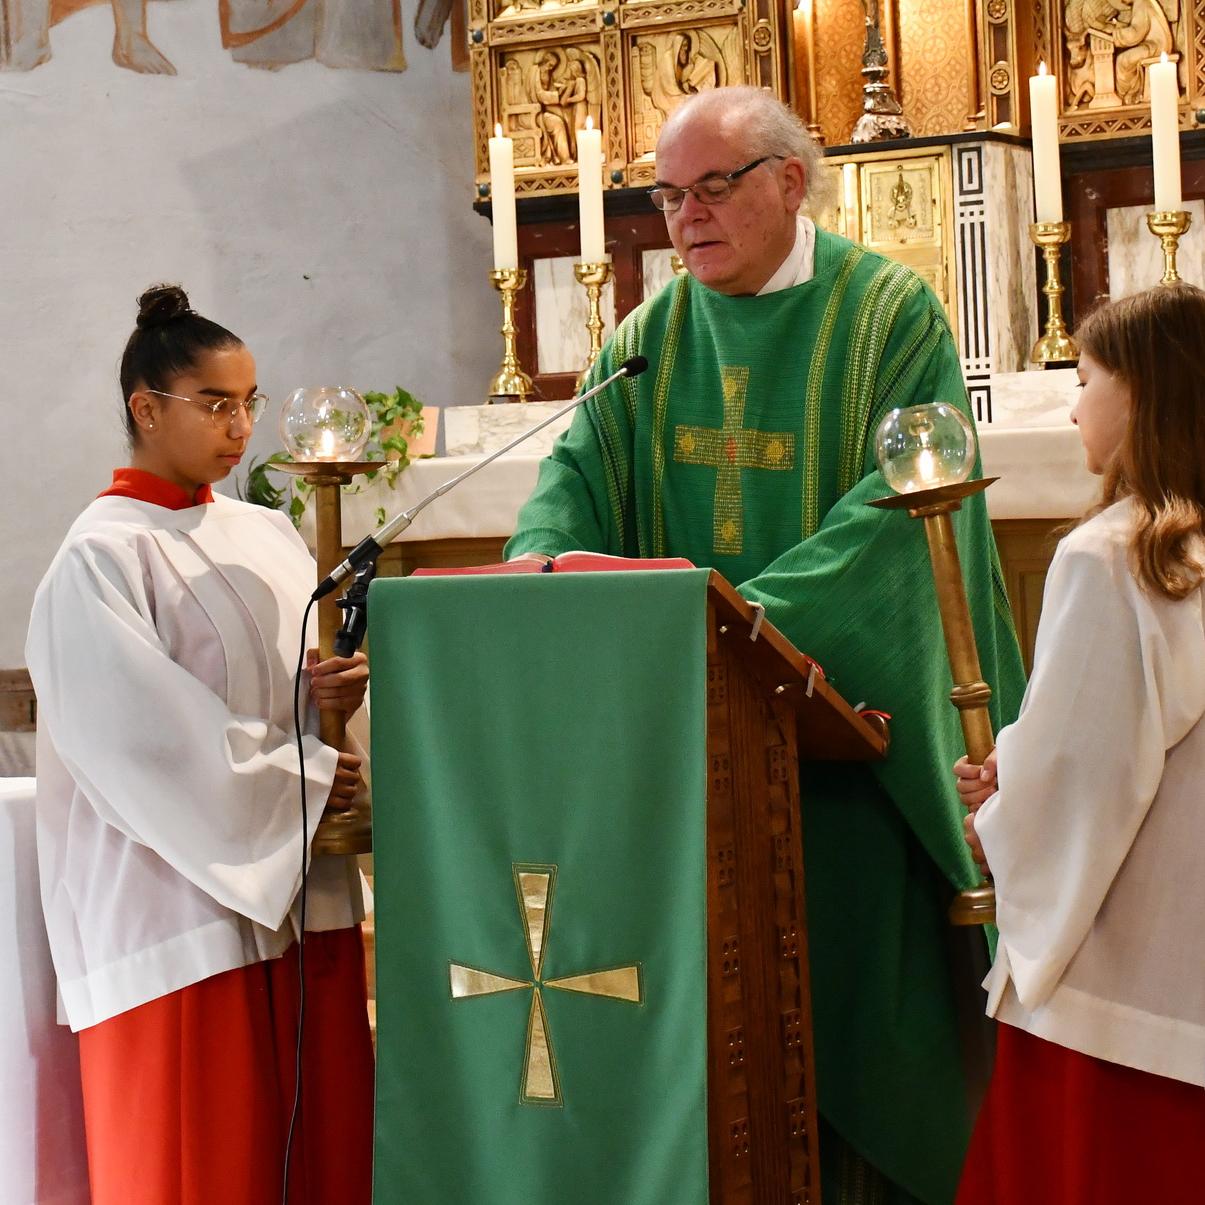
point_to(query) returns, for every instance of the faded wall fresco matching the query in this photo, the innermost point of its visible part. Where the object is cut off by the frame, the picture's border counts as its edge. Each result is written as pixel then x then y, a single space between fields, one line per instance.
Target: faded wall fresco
pixel 365 34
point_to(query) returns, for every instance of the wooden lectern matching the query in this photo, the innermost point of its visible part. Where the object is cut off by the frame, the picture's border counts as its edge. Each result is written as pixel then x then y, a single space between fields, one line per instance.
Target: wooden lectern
pixel 767 708
pixel 449 1055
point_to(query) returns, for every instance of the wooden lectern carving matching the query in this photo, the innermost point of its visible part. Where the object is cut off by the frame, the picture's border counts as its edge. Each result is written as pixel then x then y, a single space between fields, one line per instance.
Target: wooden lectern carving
pixel 767 707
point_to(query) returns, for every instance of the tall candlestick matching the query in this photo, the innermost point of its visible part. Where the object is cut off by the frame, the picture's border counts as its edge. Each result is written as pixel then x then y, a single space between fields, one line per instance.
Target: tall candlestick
pixel 590 193
pixel 502 201
pixel 1165 134
pixel 1044 125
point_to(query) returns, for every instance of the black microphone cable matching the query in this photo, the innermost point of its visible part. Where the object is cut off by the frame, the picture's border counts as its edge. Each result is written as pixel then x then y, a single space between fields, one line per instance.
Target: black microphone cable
pixel 305 852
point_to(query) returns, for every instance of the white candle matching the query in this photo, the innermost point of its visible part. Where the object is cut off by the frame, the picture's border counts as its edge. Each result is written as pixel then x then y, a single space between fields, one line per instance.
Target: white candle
pixel 590 193
pixel 502 200
pixel 1044 124
pixel 1165 134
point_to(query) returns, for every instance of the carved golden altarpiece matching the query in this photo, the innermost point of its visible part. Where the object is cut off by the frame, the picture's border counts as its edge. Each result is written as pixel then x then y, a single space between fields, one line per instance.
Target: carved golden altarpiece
pixel 1100 51
pixel 960 68
pixel 540 70
pixel 965 64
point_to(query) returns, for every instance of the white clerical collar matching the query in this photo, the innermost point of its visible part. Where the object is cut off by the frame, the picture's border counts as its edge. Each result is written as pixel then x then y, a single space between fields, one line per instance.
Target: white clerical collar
pixel 800 264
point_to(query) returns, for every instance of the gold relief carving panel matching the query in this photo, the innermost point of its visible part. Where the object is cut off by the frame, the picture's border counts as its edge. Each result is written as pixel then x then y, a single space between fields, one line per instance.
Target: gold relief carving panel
pixel 540 71
pixel 526 186
pixel 503 9
pixel 665 68
pixel 1102 51
pixel 545 95
pixel 901 204
pixel 614 127
pixel 1041 33
pixel 1108 45
pixel 479 67
pixel 634 15
pixel 567 25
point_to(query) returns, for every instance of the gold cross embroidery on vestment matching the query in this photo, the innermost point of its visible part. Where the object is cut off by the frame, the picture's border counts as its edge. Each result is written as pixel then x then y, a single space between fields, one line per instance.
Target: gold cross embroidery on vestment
pixel 534 887
pixel 728 450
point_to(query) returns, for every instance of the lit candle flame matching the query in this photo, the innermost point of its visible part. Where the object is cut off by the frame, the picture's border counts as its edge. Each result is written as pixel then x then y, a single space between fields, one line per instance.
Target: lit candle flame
pixel 326 445
pixel 590 120
pixel 1042 68
pixel 1163 56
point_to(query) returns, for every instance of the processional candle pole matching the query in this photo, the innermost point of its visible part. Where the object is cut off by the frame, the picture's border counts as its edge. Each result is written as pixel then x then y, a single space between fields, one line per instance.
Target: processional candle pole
pixel 926 454
pixel 325 430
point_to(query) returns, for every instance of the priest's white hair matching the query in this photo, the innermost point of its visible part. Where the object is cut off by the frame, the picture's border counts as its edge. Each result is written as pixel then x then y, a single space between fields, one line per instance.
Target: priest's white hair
pixel 771 128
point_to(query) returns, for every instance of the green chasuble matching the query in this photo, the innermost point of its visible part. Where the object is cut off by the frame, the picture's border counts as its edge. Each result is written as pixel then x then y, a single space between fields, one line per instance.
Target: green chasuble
pixel 748 446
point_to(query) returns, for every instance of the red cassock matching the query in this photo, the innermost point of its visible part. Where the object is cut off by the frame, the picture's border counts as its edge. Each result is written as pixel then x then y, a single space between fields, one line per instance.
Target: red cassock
pixel 1063 1128
pixel 187 1098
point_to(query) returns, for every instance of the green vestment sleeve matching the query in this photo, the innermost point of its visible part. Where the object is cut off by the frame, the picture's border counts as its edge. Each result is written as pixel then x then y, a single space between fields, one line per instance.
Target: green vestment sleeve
pixel 859 597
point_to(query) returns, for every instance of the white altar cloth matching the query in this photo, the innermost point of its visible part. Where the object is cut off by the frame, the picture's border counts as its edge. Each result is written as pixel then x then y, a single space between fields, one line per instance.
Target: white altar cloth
pixel 1041 471
pixel 42 1155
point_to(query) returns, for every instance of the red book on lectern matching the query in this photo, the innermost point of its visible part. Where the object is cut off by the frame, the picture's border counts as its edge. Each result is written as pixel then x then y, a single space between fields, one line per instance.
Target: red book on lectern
pixel 568 562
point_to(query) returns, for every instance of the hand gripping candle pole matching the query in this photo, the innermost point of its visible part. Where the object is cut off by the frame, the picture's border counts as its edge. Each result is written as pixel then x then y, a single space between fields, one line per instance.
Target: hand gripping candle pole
pixel 369 548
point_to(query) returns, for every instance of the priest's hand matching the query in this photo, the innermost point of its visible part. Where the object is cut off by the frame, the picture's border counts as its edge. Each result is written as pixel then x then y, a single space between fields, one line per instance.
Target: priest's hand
pixel 976 784
pixel 338 683
pixel 347 784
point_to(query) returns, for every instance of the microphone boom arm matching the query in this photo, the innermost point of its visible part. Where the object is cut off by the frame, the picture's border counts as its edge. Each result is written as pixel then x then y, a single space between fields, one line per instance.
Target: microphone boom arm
pixel 369 548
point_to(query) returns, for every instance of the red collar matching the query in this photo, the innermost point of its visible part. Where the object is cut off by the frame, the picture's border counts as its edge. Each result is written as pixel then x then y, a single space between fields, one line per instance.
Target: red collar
pixel 147 487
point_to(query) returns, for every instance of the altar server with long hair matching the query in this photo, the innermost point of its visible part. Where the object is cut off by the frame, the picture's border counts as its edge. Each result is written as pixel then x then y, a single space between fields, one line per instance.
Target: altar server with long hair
pixel 162 646
pixel 1094 828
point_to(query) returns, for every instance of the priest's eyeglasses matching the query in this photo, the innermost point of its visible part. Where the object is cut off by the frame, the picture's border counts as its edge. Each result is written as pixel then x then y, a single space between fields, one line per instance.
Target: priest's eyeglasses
pixel 224 410
pixel 711 190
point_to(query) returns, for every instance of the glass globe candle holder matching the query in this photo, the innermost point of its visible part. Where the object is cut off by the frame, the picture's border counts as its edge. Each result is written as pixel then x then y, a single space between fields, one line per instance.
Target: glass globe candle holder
pixel 327 422
pixel 924 447
pixel 927 453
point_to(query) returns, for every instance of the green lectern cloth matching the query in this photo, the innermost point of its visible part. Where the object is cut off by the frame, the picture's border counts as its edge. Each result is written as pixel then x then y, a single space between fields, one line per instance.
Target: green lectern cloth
pixel 540 783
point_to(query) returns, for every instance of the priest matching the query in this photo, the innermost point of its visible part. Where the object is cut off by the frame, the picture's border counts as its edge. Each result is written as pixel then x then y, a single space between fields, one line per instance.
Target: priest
pixel 748 447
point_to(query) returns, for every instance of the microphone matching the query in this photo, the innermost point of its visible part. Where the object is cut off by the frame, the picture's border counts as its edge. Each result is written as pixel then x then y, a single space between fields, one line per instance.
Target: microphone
pixel 369 548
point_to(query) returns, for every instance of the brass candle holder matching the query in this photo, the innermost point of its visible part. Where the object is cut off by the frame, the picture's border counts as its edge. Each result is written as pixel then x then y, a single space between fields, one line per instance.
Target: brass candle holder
pixel 341 830
pixel 1169 227
pixel 595 277
pixel 510 383
pixel 971 694
pixel 1056 345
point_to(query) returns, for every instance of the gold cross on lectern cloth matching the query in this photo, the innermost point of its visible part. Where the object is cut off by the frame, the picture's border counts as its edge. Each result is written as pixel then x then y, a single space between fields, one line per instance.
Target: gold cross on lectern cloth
pixel 534 886
pixel 728 450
